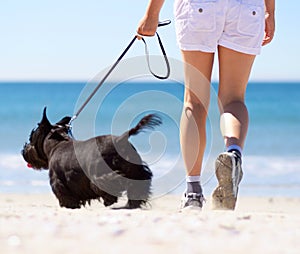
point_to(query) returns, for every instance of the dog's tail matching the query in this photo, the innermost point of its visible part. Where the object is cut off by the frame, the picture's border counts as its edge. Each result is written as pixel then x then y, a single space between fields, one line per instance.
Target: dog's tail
pixel 147 122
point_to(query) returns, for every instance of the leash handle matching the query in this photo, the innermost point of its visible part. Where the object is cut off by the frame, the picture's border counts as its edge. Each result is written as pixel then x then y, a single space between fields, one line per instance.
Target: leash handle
pixel 165 57
pixel 164 23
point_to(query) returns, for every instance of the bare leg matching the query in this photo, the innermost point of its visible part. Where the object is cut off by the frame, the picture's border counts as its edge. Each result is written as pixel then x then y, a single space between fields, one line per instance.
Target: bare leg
pixel 198 68
pixel 234 68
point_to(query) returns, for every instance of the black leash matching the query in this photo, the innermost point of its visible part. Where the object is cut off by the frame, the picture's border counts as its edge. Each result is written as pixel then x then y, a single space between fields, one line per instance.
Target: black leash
pixel 163 23
pixel 165 57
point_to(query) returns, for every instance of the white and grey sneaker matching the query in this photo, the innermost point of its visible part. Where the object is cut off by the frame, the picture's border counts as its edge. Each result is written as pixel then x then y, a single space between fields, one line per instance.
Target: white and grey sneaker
pixel 192 201
pixel 229 174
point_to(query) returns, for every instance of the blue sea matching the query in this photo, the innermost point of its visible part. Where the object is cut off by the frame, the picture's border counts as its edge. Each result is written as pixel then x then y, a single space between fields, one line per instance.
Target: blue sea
pixel 271 161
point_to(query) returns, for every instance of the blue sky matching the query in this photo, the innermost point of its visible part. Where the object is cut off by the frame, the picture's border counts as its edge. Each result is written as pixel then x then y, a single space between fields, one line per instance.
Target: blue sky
pixel 74 40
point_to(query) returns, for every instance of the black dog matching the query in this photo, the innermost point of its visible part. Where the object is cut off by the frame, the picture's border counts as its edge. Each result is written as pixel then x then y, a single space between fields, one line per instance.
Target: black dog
pixel 103 167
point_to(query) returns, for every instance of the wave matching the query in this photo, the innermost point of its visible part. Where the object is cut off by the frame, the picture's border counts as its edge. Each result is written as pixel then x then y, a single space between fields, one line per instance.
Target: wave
pixel 11 162
pixel 256 165
pixel 272 165
pixel 259 171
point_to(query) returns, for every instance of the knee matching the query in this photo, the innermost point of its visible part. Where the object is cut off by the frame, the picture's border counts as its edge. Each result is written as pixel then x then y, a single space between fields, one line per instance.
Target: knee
pixel 233 106
pixel 195 105
pixel 194 109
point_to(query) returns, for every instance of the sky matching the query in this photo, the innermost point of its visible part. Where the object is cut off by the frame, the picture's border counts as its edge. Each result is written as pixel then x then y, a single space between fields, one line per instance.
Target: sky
pixel 69 40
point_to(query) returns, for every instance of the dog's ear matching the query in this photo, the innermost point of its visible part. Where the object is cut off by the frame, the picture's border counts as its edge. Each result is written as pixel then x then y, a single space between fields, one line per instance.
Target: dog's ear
pixel 64 121
pixel 45 121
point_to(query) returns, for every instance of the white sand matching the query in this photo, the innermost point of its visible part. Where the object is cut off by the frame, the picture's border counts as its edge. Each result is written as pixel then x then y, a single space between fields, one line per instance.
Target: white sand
pixel 36 224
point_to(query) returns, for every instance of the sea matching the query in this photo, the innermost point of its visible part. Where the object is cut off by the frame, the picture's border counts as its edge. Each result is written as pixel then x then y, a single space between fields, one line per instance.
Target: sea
pixel 271 161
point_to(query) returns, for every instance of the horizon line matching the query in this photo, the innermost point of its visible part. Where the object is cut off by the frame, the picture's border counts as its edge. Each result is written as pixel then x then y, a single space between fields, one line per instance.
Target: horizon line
pixel 132 81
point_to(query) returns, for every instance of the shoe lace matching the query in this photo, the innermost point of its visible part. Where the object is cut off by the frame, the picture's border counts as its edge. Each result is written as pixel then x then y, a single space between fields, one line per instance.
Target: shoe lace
pixel 196 196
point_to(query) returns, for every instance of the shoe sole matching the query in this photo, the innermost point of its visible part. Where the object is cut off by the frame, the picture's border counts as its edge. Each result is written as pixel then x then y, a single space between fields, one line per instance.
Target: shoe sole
pixel 225 195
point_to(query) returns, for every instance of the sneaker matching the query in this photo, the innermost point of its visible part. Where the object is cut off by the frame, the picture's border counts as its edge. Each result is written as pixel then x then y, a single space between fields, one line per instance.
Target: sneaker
pixel 229 174
pixel 192 201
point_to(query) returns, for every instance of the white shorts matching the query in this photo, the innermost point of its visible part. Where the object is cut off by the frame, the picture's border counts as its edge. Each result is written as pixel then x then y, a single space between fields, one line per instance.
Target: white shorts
pixel 235 24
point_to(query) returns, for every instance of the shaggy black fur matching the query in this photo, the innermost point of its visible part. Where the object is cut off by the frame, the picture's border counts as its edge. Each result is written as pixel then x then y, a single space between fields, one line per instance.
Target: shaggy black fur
pixel 103 167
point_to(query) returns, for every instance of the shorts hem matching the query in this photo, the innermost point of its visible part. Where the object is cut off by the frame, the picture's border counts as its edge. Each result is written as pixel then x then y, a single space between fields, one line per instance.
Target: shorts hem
pixel 196 47
pixel 239 48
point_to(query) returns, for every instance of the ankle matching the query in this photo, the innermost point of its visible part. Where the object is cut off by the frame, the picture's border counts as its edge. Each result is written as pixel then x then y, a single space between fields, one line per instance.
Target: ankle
pixel 236 149
pixel 193 184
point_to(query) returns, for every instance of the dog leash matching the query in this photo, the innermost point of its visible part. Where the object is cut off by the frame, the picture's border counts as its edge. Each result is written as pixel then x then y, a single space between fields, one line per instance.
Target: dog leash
pixel 160 24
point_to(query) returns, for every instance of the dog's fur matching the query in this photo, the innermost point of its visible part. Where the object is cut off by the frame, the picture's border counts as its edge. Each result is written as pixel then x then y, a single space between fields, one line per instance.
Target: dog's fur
pixel 99 168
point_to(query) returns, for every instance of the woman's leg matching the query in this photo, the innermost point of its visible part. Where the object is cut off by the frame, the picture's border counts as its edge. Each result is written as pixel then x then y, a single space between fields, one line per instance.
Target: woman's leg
pixel 198 68
pixel 234 71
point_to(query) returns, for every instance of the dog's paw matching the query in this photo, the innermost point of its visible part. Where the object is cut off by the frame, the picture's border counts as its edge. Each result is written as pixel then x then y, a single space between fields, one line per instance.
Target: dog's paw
pixel 109 201
pixel 70 204
pixel 134 204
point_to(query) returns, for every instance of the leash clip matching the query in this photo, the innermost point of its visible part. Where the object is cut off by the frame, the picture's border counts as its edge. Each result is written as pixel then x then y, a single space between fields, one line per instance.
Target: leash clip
pixel 69 126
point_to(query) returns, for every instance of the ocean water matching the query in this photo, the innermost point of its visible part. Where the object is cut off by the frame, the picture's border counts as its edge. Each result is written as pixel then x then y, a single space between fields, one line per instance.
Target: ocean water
pixel 271 157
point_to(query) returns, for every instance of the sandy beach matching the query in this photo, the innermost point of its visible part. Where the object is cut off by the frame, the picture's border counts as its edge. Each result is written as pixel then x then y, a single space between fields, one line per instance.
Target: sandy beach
pixel 36 224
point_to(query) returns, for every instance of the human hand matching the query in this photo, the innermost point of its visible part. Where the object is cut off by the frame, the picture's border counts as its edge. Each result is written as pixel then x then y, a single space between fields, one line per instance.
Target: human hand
pixel 269 28
pixel 147 26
